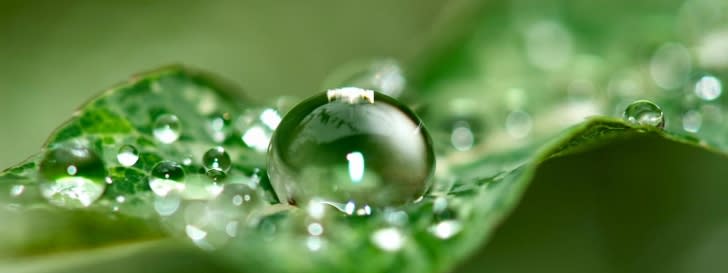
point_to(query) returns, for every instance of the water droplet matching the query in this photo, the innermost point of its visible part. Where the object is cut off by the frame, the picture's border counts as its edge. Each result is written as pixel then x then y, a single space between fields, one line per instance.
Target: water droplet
pixel 670 66
pixel 217 127
pixel 644 113
pixel 351 146
pixel 127 156
pixel 548 45
pixel 240 196
pixel 708 88
pixel 388 239
pixel 167 205
pixel 167 176
pixel 167 128
pixel 217 159
pixel 17 190
pixel 257 126
pixel 73 175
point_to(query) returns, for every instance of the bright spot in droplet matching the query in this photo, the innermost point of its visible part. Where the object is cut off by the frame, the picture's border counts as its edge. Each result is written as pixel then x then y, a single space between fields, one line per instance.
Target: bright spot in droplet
pixel 364 211
pixel 120 199
pixel 127 156
pixel 17 190
pixel 670 66
pixel 167 128
pixel 445 229
pixel 708 88
pixel 388 239
pixel 356 166
pixel 462 137
pixel 195 233
pixel 351 95
pixel 270 118
pixel 349 208
pixel 315 229
pixel 71 170
pixel 518 124
pixel 692 120
pixel 69 190
pixel 257 138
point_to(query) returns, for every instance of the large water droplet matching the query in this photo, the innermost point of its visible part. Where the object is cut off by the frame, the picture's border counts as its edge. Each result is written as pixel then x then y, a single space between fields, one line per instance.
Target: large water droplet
pixel 167 176
pixel 167 128
pixel 708 88
pixel 351 145
pixel 127 156
pixel 73 175
pixel 217 159
pixel 645 113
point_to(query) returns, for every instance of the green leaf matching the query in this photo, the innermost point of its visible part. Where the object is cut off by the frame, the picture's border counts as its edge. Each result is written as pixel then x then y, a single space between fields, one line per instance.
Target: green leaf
pixel 473 193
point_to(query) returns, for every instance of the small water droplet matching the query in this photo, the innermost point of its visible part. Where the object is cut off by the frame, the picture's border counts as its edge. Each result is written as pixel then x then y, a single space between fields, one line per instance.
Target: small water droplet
pixel 445 229
pixel 692 120
pixel 708 88
pixel 388 239
pixel 257 126
pixel 127 156
pixel 462 137
pixel 167 205
pixel 217 159
pixel 17 190
pixel 166 177
pixel 73 175
pixel 644 113
pixel 240 196
pixel 167 128
pixel 351 147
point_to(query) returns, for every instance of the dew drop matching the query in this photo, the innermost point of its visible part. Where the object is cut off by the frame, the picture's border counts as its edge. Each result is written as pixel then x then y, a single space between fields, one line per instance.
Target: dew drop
pixel 127 156
pixel 518 124
pixel 708 88
pixel 167 128
pixel 462 136
pixel 257 126
pixel 217 159
pixel 73 175
pixel 166 177
pixel 351 145
pixel 644 113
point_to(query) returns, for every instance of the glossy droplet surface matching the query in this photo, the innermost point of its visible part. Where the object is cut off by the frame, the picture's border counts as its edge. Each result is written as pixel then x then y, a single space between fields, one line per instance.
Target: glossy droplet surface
pixel 167 128
pixel 385 76
pixel 73 175
pixel 351 145
pixel 645 113
pixel 166 177
pixel 217 159
pixel 127 156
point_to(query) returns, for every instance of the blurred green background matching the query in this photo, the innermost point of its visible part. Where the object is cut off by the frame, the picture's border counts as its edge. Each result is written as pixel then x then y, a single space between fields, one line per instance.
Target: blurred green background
pixel 55 55
pixel 653 207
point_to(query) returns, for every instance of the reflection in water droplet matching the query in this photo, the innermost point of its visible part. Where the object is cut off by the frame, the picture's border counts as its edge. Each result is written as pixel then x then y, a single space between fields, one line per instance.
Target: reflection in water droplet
pixel 217 159
pixel 388 239
pixel 217 126
pixel 73 175
pixel 166 177
pixel 353 146
pixel 518 124
pixel 257 126
pixel 195 233
pixel 167 128
pixel 127 155
pixel 645 113
pixel 708 88
pixel 670 66
pixel 692 120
